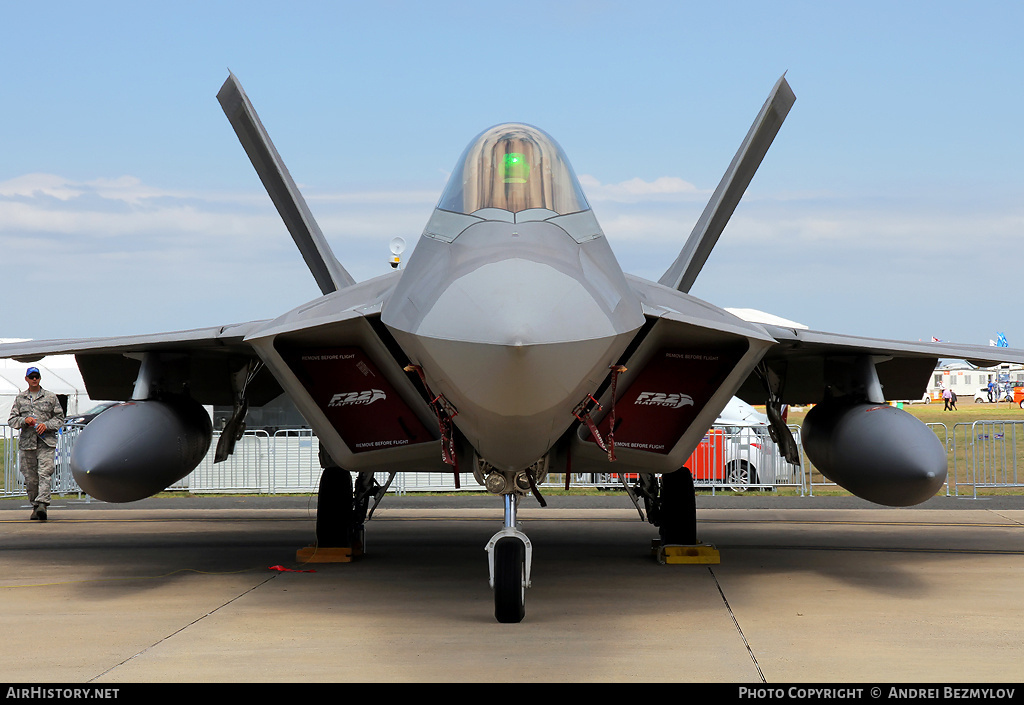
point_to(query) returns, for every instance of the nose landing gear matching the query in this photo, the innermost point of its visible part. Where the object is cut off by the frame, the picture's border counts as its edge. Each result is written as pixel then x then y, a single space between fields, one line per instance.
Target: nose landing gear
pixel 509 558
pixel 510 555
pixel 509 552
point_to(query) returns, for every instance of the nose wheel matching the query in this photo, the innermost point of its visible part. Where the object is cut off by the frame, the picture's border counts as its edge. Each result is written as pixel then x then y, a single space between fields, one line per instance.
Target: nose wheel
pixel 510 555
pixel 509 580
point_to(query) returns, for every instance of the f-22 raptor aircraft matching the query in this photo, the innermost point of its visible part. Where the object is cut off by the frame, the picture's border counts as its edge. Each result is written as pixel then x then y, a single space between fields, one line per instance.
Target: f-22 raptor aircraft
pixel 511 345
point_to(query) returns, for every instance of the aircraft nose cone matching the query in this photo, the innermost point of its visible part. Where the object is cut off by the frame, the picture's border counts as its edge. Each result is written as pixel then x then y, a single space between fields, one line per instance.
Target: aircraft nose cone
pixel 516 337
pixel 514 323
pixel 516 302
pixel 515 345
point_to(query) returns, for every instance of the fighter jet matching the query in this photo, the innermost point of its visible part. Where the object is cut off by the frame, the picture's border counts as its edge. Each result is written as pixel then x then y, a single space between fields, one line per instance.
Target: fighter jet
pixel 511 345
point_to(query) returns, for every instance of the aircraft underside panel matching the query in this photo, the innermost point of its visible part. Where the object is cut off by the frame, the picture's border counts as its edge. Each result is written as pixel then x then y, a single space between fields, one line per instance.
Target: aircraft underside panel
pixel 366 411
pixel 362 406
pixel 667 396
pixel 676 383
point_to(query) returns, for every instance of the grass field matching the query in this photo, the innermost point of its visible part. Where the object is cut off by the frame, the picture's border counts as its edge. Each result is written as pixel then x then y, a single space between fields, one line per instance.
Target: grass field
pixel 967 411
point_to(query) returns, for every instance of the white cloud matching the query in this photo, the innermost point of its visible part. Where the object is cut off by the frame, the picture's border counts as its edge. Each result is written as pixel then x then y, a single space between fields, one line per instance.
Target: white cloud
pixel 420 197
pixel 124 206
pixel 183 259
pixel 177 259
pixel 636 189
pixel 126 189
pixel 858 223
pixel 31 185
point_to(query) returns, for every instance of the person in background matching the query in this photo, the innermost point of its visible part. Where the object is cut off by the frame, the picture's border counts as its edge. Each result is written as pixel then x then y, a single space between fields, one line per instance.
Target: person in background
pixel 39 415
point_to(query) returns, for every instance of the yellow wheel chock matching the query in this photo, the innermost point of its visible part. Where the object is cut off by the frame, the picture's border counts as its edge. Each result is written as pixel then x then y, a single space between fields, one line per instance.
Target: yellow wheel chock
pixel 317 554
pixel 698 554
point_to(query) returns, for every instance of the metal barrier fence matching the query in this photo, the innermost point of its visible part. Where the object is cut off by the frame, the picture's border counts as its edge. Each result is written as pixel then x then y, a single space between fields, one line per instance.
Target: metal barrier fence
pixel 286 463
pixel 736 458
pixel 9 456
pixel 983 454
pixel 987 454
pixel 63 483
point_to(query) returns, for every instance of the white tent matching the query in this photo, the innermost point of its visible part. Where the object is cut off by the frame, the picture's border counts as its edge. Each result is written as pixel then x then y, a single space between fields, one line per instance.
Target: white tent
pixel 59 374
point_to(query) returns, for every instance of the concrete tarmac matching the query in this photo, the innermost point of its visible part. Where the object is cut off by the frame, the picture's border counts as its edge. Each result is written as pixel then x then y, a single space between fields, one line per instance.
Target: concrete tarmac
pixel 808 590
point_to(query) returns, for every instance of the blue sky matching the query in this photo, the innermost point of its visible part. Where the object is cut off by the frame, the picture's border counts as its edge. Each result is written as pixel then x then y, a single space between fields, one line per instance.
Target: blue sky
pixel 890 205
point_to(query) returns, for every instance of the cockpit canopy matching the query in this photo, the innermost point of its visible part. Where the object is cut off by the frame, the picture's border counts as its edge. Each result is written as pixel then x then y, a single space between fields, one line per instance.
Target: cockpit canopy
pixel 514 167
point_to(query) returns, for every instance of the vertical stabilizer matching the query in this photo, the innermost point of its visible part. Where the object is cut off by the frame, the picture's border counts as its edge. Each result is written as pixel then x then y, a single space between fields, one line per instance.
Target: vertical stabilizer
pixel 709 227
pixel 328 272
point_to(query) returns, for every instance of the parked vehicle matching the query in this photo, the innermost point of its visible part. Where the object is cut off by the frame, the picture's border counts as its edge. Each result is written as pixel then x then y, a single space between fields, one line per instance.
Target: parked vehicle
pixel 748 455
pixel 737 452
pixel 83 419
pixel 1006 393
pixel 1018 396
pixel 981 396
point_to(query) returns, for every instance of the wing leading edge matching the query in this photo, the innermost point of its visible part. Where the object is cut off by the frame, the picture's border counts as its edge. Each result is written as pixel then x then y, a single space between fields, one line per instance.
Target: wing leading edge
pixel 202 360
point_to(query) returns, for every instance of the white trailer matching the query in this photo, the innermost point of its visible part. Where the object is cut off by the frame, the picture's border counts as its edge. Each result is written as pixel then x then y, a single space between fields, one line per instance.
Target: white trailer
pixel 965 380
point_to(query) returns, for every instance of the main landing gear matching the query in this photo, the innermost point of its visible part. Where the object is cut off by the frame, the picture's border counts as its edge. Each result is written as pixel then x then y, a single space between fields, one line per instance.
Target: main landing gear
pixel 678 510
pixel 672 507
pixel 342 508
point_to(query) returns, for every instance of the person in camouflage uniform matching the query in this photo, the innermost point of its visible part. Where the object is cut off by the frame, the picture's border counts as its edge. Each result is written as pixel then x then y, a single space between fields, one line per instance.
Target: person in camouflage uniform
pixel 39 415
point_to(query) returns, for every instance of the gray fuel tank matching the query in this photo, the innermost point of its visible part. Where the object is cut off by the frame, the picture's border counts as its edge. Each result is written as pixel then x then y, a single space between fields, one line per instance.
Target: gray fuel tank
pixel 134 450
pixel 878 452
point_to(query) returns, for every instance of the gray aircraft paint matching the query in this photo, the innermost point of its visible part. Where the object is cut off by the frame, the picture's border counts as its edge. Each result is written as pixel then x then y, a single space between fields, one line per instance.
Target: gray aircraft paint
pixel 514 307
pixel 514 323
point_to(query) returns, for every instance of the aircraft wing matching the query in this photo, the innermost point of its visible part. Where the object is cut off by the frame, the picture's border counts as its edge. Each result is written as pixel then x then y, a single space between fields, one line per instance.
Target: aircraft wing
pixel 205 357
pixel 692 357
pixel 228 338
pixel 367 410
pixel 804 363
pixel 796 342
